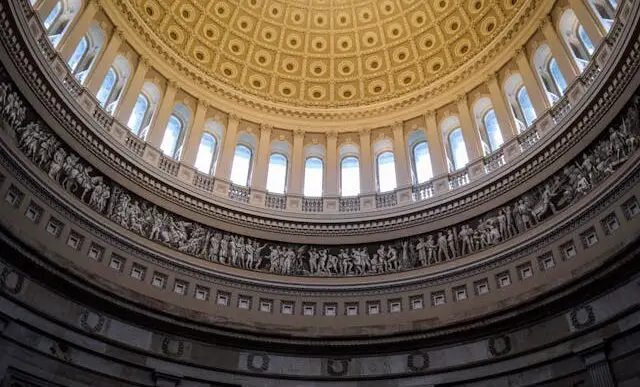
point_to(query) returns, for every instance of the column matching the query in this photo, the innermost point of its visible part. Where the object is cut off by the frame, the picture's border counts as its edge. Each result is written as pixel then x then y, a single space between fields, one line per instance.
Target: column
pixel 367 182
pixel 567 66
pixel 106 60
pixel 436 146
pixel 296 183
pixel 44 8
pixel 471 137
pixel 159 124
pixel 228 150
pixel 504 116
pixel 71 39
pixel 192 139
pixel 538 100
pixel 400 152
pixel 128 100
pixel 586 18
pixel 259 180
pixel 333 176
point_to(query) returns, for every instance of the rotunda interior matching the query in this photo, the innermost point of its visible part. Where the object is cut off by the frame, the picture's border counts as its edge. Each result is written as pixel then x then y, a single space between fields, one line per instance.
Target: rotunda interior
pixel 348 193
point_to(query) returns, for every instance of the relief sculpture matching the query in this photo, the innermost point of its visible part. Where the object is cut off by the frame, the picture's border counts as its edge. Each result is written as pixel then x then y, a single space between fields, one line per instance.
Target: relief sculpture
pixel 66 169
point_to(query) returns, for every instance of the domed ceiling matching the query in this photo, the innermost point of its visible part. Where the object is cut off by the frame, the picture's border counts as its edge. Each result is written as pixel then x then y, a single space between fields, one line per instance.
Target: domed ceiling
pixel 326 53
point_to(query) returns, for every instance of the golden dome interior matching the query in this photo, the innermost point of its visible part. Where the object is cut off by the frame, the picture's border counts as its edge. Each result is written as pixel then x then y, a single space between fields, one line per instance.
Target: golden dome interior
pixel 326 53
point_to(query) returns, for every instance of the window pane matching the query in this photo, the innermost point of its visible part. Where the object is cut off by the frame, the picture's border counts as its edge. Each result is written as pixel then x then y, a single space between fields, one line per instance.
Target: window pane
pixel 206 150
pixel 493 130
pixel 277 173
pixel 458 149
pixel 422 162
pixel 81 50
pixel 586 42
pixel 386 172
pixel 138 114
pixel 107 87
pixel 171 136
pixel 557 76
pixel 525 105
pixel 313 177
pixel 53 15
pixel 350 176
pixel 241 166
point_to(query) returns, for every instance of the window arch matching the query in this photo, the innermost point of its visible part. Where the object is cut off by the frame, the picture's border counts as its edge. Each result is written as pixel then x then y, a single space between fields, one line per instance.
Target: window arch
pixel 549 73
pixel 57 21
pixel 85 53
pixel 492 129
pixel 313 176
pixel 277 173
pixel 576 38
pixel 422 169
pixel 386 171
pixel 525 106
pixel 206 153
pixel 350 176
pixel 458 157
pixel 524 113
pixel 605 12
pixel 114 82
pixel 144 109
pixel 174 132
pixel 241 166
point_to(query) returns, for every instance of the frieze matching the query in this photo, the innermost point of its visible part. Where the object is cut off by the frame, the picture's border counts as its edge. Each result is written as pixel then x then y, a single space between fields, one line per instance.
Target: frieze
pixel 420 218
pixel 104 196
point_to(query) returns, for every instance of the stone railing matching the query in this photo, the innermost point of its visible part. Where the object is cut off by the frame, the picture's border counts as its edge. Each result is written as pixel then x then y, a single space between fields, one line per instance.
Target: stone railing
pixel 349 204
pixel 275 201
pixel 239 193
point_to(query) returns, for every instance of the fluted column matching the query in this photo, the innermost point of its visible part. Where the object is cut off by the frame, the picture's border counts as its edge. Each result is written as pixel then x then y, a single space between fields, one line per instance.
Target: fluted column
pixel 159 124
pixel 400 152
pixel 106 60
pixel 70 41
pixel 296 183
pixel 507 125
pixel 333 183
pixel 366 163
pixel 567 66
pixel 192 139
pixel 586 18
pixel 259 180
pixel 225 160
pixel 538 100
pixel 133 89
pixel 436 146
pixel 472 139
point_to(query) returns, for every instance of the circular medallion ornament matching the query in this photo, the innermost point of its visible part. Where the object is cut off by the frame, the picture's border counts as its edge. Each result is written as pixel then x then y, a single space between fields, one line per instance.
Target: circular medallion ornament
pixel 11 281
pixel 172 347
pixel 338 367
pixel 418 361
pixel 499 345
pixel 258 362
pixel 582 317
pixel 91 321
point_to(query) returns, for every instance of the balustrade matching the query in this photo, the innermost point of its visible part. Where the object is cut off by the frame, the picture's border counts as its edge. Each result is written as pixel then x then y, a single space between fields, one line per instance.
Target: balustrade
pixel 458 179
pixel 494 160
pixel 169 165
pixel 349 204
pixel 312 205
pixel 528 139
pixel 560 109
pixel 422 191
pixel 202 181
pixel 134 143
pixel 387 199
pixel 239 193
pixel 275 201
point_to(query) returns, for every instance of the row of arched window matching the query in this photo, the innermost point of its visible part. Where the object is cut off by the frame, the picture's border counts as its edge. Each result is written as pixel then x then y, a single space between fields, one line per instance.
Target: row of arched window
pixel 61 14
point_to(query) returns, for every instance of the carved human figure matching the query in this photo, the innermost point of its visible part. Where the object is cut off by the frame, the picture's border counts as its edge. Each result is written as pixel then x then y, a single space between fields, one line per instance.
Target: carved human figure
pixel 257 254
pixel 451 241
pixel 214 247
pixel 314 257
pixel 392 259
pixel 466 235
pixel 224 249
pixel 431 250
pixel 443 250
pixel 56 164
pixel 421 246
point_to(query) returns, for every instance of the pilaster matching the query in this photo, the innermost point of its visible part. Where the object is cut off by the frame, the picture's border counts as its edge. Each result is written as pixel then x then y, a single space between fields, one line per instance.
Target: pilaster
pixel 70 41
pixel 538 100
pixel 505 119
pixel 471 137
pixel 436 146
pixel 225 160
pixel 105 61
pixel 567 66
pixel 400 151
pixel 193 136
pixel 295 184
pixel 132 91
pixel 366 163
pixel 332 174
pixel 159 124
pixel 588 21
pixel 259 180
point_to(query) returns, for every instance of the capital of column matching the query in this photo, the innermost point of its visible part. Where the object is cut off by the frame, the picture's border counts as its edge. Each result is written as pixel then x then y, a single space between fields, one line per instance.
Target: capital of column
pixel 233 118
pixel 399 125
pixel 461 98
pixel 173 83
pixel 364 132
pixel 203 104
pixel 265 128
pixel 492 77
pixel 332 134
pixel 120 34
pixel 430 114
pixel 544 21
pixel 298 133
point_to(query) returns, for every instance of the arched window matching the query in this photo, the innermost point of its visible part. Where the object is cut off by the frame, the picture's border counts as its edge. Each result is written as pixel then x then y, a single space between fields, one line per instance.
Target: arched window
pixel 494 135
pixel 350 176
pixel 556 75
pixel 78 54
pixel 525 105
pixel 206 152
pixel 277 173
pixel 313 176
pixel 241 166
pixel 584 39
pixel 106 89
pixel 139 113
pixel 386 172
pixel 605 11
pixel 457 150
pixel 422 163
pixel 172 134
pixel 52 17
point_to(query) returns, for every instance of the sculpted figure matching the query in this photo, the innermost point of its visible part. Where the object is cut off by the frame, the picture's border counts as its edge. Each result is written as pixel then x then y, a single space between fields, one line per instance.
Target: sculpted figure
pixel 422 251
pixel 257 254
pixel 134 215
pixel 289 257
pixel 366 260
pixel 392 259
pixel 431 250
pixel 240 251
pixel 451 241
pixel 56 163
pixel 224 249
pixel 47 148
pixel 249 250
pixel 466 235
pixel 323 261
pixel 68 165
pixel 233 251
pixel 314 258
pixel 443 251
pixel 214 247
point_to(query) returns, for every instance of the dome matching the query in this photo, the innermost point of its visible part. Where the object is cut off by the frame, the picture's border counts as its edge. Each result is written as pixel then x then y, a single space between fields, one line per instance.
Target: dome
pixel 319 192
